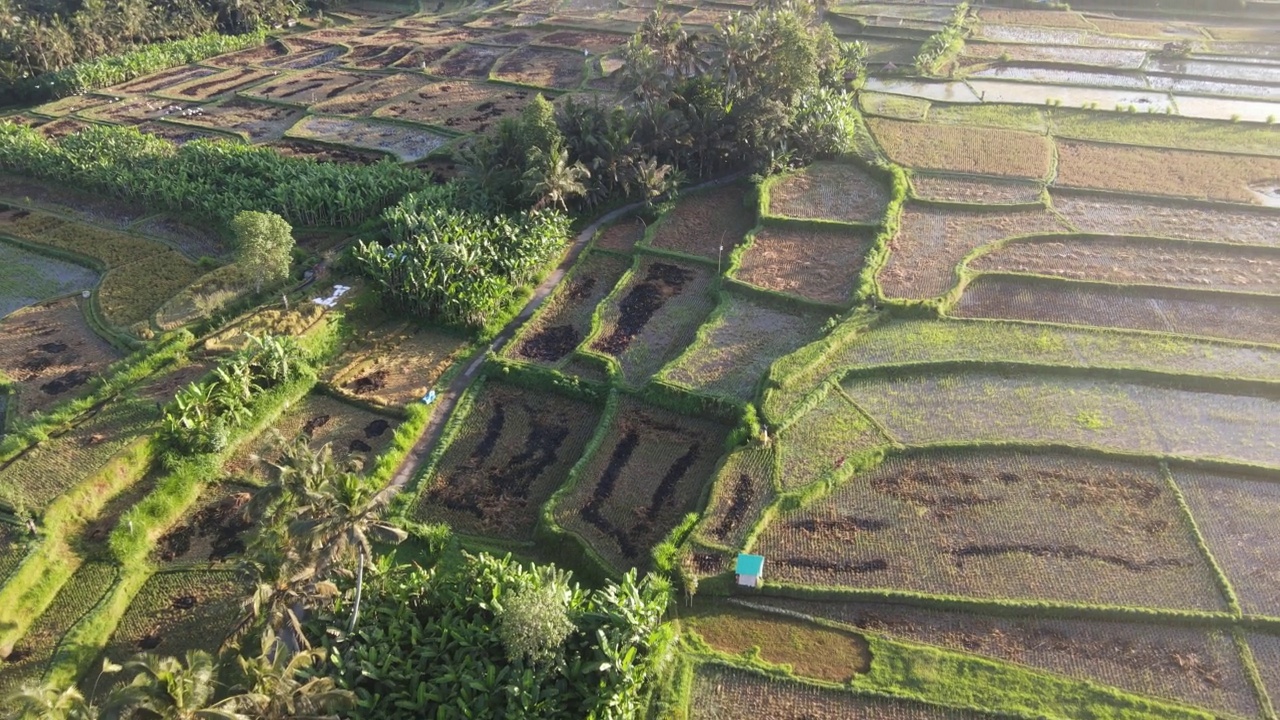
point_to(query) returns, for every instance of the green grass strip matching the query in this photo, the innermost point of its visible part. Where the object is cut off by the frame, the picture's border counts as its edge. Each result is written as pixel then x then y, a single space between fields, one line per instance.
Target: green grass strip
pixel 36 582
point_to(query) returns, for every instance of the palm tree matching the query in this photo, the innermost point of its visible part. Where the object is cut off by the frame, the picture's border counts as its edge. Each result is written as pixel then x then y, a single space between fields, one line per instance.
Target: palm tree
pixel 283 586
pixel 554 180
pixel 171 689
pixel 339 523
pixel 47 702
pixel 277 689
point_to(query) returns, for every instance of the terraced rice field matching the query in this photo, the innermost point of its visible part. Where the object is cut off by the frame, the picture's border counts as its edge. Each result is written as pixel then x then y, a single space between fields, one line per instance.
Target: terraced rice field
pixel 1233 514
pixel 972 190
pixel 355 435
pixel 50 354
pixel 707 223
pixel 738 344
pixel 921 407
pixel 1249 318
pixel 1131 261
pixel 742 490
pixel 176 611
pixel 1148 171
pixel 722 693
pixel 822 441
pixel 514 449
pixel 566 318
pixel 398 364
pixel 615 505
pixel 1109 215
pixel 1000 525
pixel 933 240
pixel 36 477
pixel 840 192
pixel 953 148
pixel 1195 666
pixel 817 263
pixel 31 656
pixel 653 316
pixel 27 278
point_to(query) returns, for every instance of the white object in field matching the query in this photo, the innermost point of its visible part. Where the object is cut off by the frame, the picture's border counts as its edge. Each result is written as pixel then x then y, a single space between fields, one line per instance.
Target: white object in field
pixel 332 300
pixel 85 294
pixel 429 397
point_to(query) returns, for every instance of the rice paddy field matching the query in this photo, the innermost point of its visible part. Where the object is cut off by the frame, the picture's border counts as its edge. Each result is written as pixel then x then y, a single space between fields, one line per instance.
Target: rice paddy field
pixel 995 395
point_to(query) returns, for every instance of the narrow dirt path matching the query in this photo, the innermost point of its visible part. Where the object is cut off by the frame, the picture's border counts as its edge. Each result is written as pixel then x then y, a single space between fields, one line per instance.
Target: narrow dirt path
pixel 447 399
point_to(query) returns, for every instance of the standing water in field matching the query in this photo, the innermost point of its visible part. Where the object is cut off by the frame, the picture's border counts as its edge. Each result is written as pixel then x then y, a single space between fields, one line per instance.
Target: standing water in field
pixel 27 278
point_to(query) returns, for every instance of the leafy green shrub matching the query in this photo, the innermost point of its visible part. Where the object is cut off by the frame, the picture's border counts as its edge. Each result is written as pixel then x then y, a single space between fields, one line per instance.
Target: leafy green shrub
pixel 426 644
pixel 457 264
pixel 201 417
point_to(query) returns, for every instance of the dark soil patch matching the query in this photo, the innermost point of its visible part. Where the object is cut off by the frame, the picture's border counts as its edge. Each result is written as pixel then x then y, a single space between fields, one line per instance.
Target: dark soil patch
pixel 843 525
pixel 551 344
pixel 184 602
pixel 843 566
pixel 222 524
pixel 325 153
pixel 376 428
pixel 359 445
pixel 504 488
pixel 150 641
pixel 69 381
pixel 314 424
pixel 1066 552
pixel 707 563
pixel 36 365
pixel 373 382
pixel 744 493
pixel 54 347
pixel 662 282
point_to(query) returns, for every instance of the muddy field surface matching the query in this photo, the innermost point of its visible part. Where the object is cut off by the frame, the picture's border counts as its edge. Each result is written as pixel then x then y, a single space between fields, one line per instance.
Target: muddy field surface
pixel 815 263
pixel 706 221
pixel 1132 261
pixel 515 448
pixel 1247 318
pixel 51 354
pixel 1196 666
pixel 650 470
pixel 1000 525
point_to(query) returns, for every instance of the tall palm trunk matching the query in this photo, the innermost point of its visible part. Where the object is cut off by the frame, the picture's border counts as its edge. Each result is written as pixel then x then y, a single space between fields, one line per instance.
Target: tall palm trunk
pixel 355 612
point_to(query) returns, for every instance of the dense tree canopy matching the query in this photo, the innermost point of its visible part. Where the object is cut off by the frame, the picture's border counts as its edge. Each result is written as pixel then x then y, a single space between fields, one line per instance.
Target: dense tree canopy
pixel 430 644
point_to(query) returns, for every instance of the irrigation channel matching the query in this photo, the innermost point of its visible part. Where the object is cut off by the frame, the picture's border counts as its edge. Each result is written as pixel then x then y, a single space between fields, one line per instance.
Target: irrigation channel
pixel 447 399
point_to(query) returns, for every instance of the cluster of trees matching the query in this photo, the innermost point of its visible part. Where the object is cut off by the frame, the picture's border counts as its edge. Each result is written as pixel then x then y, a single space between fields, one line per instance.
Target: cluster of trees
pixel 457 258
pixel 43 36
pixel 271 685
pixel 201 416
pixel 212 179
pixel 493 639
pixel 765 90
pixel 474 637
